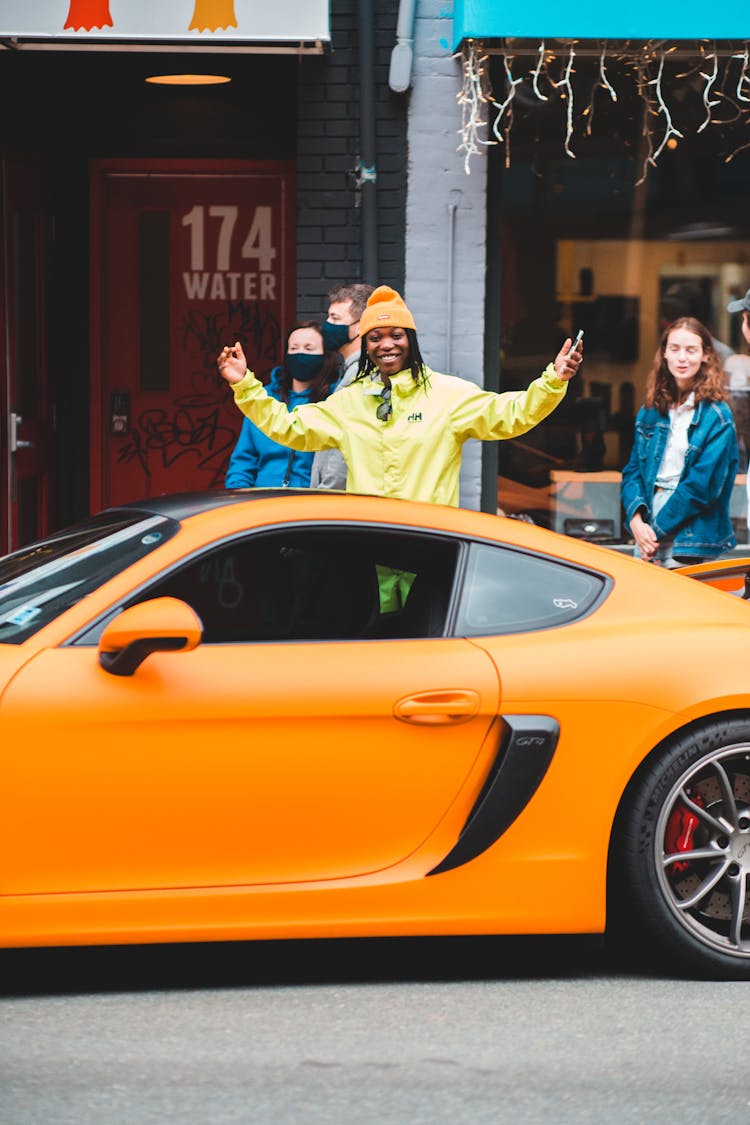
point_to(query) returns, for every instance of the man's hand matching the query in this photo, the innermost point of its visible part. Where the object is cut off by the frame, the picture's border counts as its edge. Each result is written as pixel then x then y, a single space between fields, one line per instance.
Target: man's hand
pixel 567 362
pixel 231 363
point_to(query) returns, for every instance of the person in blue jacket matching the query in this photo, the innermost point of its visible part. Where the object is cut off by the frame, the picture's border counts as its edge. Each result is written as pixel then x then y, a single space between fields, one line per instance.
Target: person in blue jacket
pixel 308 374
pixel 677 485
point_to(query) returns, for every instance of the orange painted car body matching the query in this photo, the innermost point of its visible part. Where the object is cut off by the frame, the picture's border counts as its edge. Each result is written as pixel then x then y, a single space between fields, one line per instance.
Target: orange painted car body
pixel 307 788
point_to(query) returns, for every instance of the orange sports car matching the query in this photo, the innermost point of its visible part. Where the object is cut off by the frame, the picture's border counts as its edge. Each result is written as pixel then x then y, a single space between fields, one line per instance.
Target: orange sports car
pixel 282 714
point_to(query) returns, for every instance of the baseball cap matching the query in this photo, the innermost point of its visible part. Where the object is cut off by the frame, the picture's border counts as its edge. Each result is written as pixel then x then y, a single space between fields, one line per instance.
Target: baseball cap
pixel 743 305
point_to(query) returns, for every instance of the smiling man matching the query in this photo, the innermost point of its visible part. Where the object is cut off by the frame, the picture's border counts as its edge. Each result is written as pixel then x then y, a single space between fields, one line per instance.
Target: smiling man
pixel 400 427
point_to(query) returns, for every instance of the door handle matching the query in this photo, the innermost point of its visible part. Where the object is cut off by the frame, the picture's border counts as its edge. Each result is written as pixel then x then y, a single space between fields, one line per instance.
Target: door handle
pixel 13 439
pixel 452 706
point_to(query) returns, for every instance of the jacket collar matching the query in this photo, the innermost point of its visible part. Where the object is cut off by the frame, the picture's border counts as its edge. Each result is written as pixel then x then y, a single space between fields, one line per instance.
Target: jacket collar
pixel 402 383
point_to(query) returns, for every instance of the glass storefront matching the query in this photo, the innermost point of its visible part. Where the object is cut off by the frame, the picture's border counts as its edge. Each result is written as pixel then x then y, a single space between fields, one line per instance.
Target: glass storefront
pixel 606 241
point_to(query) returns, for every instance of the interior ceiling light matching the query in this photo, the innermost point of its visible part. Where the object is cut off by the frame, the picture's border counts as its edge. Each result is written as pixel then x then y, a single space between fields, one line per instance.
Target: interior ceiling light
pixel 709 229
pixel 188 79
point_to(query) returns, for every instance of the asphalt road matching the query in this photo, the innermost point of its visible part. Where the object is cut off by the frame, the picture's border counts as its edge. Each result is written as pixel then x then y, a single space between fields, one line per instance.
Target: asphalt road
pixel 364 1033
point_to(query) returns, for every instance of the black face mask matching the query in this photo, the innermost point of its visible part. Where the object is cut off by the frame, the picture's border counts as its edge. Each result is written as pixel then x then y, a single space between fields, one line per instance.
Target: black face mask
pixel 335 336
pixel 302 366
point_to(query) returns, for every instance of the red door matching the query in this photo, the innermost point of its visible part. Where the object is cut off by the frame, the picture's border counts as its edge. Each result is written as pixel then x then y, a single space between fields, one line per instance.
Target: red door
pixel 186 256
pixel 27 440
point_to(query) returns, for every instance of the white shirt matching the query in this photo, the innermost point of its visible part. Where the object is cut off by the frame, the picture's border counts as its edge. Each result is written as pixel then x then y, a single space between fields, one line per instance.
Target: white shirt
pixel 673 460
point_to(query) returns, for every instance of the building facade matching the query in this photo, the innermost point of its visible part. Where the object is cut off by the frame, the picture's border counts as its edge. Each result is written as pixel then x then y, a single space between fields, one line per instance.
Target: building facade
pixel 144 223
pixel 515 184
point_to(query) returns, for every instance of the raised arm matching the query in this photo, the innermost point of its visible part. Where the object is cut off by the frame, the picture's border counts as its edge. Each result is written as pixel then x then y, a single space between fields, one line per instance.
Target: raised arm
pixel 309 427
pixel 568 361
pixel 232 363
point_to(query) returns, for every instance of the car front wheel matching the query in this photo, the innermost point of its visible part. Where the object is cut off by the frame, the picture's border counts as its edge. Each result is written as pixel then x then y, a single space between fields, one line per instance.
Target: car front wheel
pixel 682 853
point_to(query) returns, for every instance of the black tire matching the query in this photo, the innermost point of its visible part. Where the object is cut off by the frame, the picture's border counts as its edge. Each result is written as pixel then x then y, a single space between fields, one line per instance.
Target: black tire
pixel 679 877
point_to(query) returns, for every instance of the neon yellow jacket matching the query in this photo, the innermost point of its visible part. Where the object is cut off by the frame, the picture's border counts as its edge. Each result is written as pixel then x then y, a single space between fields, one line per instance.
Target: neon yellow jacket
pixel 416 454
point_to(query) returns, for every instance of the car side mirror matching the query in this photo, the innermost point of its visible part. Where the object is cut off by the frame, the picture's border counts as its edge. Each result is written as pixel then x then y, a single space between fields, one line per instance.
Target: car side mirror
pixel 159 625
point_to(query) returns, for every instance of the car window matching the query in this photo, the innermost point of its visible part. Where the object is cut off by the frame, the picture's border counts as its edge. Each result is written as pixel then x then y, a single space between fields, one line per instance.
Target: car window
pixel 41 581
pixel 319 583
pixel 508 591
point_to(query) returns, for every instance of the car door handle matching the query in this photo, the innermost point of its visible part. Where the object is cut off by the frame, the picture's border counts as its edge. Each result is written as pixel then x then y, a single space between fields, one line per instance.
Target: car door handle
pixel 438 707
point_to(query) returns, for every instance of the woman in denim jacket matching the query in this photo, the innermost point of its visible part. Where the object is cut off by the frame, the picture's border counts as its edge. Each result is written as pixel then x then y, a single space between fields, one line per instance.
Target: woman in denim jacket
pixel 678 483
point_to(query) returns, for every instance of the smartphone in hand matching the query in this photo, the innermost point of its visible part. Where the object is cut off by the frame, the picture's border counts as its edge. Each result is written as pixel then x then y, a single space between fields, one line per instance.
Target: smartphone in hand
pixel 577 341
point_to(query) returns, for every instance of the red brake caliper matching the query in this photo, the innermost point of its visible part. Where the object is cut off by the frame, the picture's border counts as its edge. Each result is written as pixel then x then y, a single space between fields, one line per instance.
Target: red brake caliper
pixel 680 832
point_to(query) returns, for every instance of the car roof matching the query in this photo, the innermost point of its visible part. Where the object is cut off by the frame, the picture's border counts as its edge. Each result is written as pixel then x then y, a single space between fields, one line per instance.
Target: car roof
pixel 182 505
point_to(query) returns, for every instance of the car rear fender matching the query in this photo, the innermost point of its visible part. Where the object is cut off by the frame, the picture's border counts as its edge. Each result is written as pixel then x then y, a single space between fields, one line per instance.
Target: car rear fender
pixel 732 575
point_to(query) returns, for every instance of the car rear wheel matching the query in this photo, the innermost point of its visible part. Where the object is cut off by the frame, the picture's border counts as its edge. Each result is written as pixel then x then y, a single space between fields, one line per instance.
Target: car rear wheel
pixel 681 862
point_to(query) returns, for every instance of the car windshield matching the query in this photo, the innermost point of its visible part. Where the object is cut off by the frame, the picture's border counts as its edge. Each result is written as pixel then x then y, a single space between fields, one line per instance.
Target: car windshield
pixel 41 581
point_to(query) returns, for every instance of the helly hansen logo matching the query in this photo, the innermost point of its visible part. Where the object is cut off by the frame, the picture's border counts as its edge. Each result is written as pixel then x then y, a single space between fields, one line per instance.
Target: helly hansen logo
pixel 415 417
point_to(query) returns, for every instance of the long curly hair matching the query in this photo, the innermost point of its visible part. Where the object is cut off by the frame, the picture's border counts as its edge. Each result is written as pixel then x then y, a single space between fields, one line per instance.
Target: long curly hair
pixel 320 386
pixel 710 383
pixel 416 363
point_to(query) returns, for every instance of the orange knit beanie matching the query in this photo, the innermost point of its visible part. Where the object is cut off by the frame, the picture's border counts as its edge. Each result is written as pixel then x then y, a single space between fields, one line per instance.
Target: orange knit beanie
pixel 385 309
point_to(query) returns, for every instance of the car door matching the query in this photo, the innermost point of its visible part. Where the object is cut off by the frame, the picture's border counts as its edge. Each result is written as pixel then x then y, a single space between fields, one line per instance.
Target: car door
pixel 238 763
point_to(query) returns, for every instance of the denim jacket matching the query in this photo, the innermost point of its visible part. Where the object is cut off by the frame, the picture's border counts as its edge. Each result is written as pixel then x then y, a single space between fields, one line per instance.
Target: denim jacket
pixel 696 515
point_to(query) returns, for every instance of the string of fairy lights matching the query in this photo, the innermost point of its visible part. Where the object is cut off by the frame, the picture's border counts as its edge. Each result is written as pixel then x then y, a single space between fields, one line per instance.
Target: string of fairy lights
pixel 722 76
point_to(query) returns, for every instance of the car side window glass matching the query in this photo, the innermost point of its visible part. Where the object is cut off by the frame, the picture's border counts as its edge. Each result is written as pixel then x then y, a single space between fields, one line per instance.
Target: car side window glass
pixel 506 591
pixel 299 584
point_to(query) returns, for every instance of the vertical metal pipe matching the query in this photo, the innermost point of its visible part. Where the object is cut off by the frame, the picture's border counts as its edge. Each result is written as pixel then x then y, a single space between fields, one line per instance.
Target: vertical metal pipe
pixel 368 174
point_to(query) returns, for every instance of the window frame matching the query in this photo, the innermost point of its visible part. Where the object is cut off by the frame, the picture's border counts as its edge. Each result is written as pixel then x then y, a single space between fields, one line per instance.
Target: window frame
pixel 88 636
pixel 461 594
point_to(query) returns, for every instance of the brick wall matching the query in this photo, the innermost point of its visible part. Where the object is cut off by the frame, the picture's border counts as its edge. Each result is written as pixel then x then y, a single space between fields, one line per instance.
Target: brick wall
pixel 328 145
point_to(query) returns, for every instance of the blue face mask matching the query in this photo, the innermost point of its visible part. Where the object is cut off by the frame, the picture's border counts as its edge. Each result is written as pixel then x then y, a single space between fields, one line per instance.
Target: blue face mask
pixel 302 366
pixel 335 336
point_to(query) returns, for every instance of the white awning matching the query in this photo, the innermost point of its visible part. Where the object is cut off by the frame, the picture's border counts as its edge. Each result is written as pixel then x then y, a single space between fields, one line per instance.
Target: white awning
pixel 280 26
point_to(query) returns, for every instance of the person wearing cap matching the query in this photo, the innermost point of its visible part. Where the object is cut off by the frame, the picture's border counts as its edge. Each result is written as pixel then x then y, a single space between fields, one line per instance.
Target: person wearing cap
pixel 400 427
pixel 737 366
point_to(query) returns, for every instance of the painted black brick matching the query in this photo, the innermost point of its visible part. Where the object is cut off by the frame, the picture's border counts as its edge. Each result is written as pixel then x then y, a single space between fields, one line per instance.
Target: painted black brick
pixel 327 196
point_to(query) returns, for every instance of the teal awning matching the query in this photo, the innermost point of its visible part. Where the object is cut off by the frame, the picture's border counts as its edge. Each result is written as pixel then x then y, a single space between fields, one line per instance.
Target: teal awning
pixel 592 19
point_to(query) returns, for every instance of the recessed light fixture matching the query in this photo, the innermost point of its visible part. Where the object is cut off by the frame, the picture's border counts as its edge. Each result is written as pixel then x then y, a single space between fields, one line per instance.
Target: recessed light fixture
pixel 188 79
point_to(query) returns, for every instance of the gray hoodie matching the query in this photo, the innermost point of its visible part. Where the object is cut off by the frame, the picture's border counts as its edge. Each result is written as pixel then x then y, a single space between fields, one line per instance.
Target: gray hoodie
pixel 329 467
